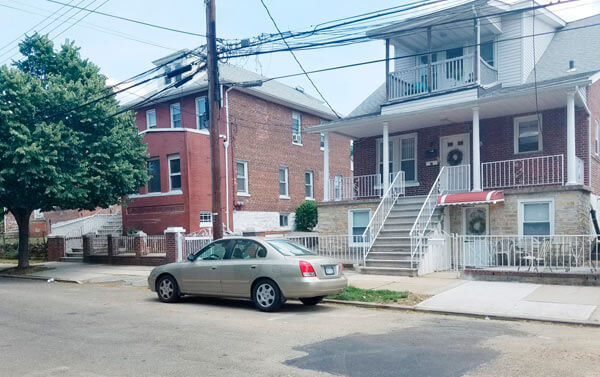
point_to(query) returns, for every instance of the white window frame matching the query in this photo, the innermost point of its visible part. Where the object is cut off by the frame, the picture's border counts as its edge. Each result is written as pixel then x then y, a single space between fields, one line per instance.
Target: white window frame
pixel 198 116
pixel 246 191
pixel 205 224
pixel 322 141
pixel 521 211
pixel 151 111
pixel 528 118
pixel 169 159
pixel 171 114
pixel 351 241
pixel 159 176
pixel 597 137
pixel 396 142
pixel 312 185
pixel 297 137
pixel 285 215
pixel 287 183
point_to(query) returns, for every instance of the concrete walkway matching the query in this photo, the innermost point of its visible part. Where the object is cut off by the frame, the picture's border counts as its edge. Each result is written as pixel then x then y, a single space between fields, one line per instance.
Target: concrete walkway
pixel 431 284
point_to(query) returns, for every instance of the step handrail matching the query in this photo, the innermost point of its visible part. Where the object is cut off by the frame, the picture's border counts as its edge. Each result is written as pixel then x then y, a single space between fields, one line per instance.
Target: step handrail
pixel 396 189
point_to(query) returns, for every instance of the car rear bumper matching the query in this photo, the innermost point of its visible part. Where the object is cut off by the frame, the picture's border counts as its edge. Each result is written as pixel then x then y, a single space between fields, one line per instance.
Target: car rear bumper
pixel 313 287
pixel 152 283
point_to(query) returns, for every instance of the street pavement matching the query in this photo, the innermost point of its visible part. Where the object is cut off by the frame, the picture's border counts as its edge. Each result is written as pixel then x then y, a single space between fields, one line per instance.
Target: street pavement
pixel 60 329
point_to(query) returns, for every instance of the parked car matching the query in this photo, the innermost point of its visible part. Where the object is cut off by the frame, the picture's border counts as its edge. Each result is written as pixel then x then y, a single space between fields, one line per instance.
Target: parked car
pixel 267 271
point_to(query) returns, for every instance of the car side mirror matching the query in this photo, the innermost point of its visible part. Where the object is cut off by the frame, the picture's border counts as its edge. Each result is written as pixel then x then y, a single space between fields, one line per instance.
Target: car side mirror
pixel 191 257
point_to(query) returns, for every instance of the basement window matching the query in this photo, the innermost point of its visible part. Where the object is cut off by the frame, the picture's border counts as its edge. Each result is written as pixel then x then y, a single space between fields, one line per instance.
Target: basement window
pixel 358 220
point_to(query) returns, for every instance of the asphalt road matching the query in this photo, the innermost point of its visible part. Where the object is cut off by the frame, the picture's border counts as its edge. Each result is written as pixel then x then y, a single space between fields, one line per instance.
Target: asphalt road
pixel 54 329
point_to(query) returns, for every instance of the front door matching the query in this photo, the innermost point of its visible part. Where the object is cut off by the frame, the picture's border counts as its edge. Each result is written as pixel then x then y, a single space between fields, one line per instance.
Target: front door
pixel 455 151
pixel 476 242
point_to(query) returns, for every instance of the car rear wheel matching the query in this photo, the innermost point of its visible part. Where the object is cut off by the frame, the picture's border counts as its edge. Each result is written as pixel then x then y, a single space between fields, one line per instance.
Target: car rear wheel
pixel 310 301
pixel 266 295
pixel 167 289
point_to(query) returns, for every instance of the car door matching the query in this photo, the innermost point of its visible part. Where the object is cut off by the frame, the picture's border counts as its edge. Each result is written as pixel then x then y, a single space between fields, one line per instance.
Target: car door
pixel 203 274
pixel 241 266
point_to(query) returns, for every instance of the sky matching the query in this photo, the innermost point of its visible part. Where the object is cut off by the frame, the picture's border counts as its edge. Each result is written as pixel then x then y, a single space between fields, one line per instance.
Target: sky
pixel 120 58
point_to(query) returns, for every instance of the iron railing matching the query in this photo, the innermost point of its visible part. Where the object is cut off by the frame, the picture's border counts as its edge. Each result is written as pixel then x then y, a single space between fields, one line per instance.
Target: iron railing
pixel 356 187
pixel 522 172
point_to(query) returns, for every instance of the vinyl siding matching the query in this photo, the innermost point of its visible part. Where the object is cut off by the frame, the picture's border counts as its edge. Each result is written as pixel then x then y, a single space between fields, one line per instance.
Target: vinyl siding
pixel 405 63
pixel 541 42
pixel 510 51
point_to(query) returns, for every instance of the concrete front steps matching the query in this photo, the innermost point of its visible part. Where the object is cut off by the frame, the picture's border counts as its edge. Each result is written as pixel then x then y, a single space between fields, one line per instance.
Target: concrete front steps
pixel 390 253
pixel 113 226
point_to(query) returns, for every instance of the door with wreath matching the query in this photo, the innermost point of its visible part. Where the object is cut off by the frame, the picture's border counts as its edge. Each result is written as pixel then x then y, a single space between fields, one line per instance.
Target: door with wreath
pixel 455 150
pixel 476 241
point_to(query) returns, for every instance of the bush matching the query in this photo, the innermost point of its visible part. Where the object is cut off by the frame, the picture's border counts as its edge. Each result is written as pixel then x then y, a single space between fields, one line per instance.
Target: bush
pixel 306 216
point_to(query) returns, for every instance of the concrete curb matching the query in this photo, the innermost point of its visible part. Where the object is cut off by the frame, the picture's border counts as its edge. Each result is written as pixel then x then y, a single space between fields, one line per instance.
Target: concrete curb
pixel 34 277
pixel 373 305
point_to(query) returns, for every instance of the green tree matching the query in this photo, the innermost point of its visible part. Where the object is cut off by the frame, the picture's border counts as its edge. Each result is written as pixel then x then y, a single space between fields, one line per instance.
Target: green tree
pixel 57 155
pixel 306 216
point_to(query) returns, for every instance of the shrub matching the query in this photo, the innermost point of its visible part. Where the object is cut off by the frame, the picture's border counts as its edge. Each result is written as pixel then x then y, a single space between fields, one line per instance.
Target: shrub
pixel 306 216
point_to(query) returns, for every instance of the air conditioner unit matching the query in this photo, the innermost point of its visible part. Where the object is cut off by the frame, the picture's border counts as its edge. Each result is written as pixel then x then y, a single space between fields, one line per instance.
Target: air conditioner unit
pixel 297 138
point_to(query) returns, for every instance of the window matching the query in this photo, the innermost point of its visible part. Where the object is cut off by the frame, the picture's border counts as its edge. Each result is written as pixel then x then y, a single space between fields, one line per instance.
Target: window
pixel 528 134
pixel 284 220
pixel 242 177
pixel 150 119
pixel 205 218
pixel 597 138
pixel 380 159
pixel 283 183
pixel 536 217
pixel 201 113
pixel 296 128
pixel 174 173
pixel 487 52
pixel 38 214
pixel 289 249
pixel 169 69
pixel 402 156
pixel 309 185
pixel 175 115
pixel 153 166
pixel 247 249
pixel 358 220
pixel 214 251
pixel 454 53
pixel 322 141
pixel 408 159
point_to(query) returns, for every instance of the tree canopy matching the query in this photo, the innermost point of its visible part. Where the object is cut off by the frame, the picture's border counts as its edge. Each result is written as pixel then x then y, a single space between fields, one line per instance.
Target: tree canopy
pixel 56 152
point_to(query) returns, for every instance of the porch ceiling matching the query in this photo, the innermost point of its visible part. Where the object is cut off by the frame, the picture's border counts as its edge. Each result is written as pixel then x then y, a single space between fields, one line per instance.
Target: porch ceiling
pixel 402 117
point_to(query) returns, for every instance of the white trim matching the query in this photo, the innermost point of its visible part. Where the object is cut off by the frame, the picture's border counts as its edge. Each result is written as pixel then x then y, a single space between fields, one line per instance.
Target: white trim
pixel 182 129
pixel 152 194
pixel 297 137
pixel 169 159
pixel 487 218
pixel 312 185
pixel 521 212
pixel 196 112
pixel 287 220
pixel 205 224
pixel 322 135
pixel 526 118
pixel 351 223
pixel 171 106
pixel 148 125
pixel 287 183
pixel 396 154
pixel 246 192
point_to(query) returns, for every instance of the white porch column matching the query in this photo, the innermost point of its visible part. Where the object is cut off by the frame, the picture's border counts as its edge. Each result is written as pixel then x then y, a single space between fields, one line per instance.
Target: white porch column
pixel 386 157
pixel 571 157
pixel 326 166
pixel 476 165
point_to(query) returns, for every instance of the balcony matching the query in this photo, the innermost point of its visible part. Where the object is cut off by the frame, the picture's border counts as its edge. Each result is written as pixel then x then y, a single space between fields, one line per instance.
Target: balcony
pixel 357 187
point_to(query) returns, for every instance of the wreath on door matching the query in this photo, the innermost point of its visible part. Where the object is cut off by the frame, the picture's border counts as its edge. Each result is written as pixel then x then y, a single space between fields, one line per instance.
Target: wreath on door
pixel 477 224
pixel 455 157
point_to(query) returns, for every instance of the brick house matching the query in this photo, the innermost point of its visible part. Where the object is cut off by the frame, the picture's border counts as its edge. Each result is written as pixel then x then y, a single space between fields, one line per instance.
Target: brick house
pixel 270 164
pixel 479 130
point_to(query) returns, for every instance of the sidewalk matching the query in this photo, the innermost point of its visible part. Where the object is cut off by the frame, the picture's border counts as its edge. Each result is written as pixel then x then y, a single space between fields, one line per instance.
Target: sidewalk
pixel 429 285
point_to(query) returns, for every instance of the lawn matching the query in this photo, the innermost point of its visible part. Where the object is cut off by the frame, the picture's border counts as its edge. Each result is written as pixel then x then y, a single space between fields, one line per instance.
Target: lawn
pixel 370 295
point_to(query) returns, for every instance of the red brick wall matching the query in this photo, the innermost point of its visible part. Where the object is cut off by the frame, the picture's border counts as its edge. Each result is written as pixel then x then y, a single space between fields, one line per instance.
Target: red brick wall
pixel 262 136
pixel 593 102
pixel 497 138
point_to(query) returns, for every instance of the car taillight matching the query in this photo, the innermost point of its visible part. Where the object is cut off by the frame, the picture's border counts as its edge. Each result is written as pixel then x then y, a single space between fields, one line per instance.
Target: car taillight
pixel 306 269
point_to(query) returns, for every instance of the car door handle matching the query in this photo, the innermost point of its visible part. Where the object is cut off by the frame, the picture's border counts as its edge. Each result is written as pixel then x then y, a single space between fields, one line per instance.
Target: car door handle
pixel 213 267
pixel 253 266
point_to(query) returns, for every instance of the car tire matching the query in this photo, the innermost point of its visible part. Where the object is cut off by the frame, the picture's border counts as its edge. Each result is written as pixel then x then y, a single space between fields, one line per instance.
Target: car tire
pixel 311 301
pixel 266 295
pixel 167 289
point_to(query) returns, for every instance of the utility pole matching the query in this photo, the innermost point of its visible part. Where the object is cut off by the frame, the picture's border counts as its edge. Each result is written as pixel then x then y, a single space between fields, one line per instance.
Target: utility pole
pixel 213 114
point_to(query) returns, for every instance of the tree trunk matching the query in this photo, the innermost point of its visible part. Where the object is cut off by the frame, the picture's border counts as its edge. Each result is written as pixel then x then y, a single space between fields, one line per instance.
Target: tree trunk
pixel 22 217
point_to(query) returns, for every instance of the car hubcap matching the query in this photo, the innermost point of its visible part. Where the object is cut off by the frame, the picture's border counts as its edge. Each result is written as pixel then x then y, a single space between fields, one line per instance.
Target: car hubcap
pixel 265 295
pixel 166 289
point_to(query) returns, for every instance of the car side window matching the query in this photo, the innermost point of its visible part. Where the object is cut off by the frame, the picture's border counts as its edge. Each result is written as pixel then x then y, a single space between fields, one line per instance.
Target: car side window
pixel 248 249
pixel 214 251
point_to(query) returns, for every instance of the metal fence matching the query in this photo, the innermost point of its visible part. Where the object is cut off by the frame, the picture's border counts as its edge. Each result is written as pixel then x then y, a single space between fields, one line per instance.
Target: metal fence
pixel 74 245
pixel 339 247
pixel 192 244
pixel 100 245
pixel 125 245
pixel 156 244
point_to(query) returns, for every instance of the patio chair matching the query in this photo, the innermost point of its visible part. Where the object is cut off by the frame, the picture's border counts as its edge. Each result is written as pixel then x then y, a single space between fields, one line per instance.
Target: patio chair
pixel 538 252
pixel 504 252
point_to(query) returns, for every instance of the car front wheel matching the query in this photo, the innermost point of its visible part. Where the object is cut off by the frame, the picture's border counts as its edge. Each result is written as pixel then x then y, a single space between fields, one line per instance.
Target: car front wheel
pixel 167 289
pixel 266 295
pixel 310 301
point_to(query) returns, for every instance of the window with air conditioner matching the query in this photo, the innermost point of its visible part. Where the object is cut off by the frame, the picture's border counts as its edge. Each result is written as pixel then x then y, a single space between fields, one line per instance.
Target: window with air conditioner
pixel 296 128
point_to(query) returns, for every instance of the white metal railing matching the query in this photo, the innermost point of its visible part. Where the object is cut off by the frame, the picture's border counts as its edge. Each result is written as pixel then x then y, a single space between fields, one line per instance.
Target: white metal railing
pixel 456 179
pixel 156 244
pixel 378 218
pixel 580 172
pixel 356 187
pixel 125 245
pixel 99 245
pixel 437 255
pixel 531 171
pixel 445 74
pixel 340 247
pixel 73 243
pixel 548 252
pixel 83 225
pixel 192 244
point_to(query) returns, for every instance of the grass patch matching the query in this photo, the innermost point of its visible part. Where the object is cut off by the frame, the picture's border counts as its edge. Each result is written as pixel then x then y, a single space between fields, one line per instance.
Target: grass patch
pixel 25 271
pixel 370 295
pixel 15 261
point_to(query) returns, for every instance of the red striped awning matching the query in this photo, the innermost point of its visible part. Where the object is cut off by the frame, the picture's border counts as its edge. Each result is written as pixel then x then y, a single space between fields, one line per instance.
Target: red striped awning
pixel 480 197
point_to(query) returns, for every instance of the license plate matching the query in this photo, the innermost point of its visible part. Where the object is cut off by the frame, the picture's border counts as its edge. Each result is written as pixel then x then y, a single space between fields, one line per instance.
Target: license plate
pixel 329 270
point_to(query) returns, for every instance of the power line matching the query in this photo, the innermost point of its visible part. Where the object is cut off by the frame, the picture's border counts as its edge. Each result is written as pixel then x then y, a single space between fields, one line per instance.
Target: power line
pixel 296 59
pixel 73 15
pixel 134 21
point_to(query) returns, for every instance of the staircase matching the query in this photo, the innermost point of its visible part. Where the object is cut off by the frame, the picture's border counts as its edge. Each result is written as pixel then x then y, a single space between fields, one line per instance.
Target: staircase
pixel 113 225
pixel 390 253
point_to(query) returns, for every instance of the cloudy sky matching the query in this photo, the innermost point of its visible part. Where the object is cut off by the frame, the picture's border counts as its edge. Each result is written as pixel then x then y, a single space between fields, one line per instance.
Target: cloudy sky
pixel 102 39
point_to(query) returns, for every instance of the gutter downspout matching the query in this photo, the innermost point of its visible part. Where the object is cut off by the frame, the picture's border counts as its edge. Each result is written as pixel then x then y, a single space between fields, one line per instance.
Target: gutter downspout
pixel 226 144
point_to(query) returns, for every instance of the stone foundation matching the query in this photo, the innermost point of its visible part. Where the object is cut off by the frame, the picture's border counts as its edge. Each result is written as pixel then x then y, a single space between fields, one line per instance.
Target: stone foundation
pixel 333 216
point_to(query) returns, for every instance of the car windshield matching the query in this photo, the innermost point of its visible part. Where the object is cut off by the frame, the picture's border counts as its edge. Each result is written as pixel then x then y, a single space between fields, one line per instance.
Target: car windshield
pixel 289 249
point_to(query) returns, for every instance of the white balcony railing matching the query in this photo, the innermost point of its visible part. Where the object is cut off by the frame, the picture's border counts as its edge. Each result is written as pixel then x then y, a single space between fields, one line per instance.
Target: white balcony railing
pixel 445 74
pixel 522 172
pixel 580 175
pixel 456 179
pixel 357 187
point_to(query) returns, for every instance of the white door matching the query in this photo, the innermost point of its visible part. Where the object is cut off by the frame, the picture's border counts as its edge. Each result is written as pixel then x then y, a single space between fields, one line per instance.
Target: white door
pixel 455 154
pixel 476 242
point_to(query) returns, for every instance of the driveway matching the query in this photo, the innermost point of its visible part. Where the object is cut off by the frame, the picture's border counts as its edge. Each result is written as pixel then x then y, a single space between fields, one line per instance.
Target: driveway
pixel 55 329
